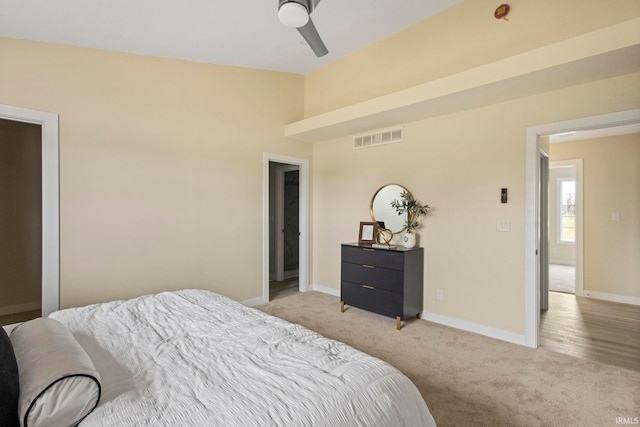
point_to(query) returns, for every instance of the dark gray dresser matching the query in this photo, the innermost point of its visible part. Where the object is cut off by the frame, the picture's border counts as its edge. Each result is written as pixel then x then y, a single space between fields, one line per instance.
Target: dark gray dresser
pixel 384 281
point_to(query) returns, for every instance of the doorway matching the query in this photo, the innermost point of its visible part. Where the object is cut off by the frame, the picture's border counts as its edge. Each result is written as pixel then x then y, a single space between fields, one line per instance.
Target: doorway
pixel 565 220
pixel 286 225
pixel 284 231
pixel 533 236
pixel 20 221
pixel 580 321
pixel 50 252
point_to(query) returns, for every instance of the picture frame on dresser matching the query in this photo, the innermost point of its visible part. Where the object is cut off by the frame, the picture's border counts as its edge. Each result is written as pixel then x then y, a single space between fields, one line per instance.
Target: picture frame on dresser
pixel 368 233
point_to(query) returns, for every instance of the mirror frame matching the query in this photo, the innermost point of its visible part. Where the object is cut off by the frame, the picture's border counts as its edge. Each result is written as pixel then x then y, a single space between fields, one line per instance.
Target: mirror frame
pixel 373 217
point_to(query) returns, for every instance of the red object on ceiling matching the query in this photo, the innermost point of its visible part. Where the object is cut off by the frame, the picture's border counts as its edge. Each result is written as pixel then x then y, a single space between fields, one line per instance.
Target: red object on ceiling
pixel 501 11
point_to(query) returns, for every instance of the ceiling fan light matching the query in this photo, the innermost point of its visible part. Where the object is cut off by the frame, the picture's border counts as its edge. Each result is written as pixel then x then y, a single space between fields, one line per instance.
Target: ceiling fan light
pixel 293 15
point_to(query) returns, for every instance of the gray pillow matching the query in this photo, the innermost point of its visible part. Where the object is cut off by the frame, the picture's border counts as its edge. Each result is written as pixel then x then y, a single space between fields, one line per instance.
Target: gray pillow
pixel 59 384
pixel 9 385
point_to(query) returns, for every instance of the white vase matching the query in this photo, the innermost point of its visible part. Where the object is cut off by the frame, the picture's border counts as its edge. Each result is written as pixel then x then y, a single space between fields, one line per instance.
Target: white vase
pixel 409 240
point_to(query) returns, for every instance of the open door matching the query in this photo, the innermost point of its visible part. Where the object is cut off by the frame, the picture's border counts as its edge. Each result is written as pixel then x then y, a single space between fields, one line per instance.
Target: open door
pixel 287 222
pixel 543 245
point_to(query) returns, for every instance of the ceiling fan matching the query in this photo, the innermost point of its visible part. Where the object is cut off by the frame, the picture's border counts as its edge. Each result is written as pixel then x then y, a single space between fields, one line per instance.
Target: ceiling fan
pixel 295 13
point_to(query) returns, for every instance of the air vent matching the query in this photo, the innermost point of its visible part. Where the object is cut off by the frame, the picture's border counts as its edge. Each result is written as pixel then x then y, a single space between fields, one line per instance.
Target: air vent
pixel 379 137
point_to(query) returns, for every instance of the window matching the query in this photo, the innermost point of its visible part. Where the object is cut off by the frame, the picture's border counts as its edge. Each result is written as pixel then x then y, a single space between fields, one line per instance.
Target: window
pixel 567 210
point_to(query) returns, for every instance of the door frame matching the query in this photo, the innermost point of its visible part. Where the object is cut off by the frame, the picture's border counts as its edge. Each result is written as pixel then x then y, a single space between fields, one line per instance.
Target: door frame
pixel 303 275
pixel 50 200
pixel 280 175
pixel 532 205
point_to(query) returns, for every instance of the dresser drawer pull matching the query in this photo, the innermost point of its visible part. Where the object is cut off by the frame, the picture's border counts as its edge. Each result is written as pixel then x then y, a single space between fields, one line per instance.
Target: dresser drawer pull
pixel 368 250
pixel 368 266
pixel 368 287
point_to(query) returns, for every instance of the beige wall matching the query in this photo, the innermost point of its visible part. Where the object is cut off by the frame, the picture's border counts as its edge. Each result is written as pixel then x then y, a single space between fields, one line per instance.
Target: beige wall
pixel 456 163
pixel 611 168
pixel 161 161
pixel 459 38
pixel 20 215
pixel 160 166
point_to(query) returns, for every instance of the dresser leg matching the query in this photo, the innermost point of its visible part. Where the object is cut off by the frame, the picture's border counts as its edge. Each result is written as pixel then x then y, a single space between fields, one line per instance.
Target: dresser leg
pixel 398 323
pixel 341 306
pixel 418 315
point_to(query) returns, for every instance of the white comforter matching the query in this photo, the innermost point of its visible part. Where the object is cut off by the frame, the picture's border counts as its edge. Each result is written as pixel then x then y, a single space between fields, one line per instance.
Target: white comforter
pixel 195 358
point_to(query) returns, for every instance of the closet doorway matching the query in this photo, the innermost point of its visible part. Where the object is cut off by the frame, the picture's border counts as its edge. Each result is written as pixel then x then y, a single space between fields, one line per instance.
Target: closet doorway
pixel 285 229
pixel 286 226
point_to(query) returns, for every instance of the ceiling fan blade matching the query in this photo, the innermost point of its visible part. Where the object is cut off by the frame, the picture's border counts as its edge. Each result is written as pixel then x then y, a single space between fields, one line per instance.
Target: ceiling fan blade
pixel 313 4
pixel 312 37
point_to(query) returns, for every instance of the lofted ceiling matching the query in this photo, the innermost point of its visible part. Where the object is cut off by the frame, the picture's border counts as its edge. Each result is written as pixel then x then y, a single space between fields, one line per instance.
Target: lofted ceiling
pixel 244 33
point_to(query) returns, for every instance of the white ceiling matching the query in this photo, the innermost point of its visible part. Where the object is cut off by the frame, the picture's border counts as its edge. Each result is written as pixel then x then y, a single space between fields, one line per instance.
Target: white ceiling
pixel 243 33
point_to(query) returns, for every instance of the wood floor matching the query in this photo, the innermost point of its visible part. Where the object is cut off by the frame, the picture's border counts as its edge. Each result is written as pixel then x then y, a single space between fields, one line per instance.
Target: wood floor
pixel 562 278
pixel 608 332
pixel 283 288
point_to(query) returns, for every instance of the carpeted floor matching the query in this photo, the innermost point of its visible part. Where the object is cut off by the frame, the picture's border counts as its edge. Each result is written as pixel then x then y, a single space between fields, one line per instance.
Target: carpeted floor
pixel 471 380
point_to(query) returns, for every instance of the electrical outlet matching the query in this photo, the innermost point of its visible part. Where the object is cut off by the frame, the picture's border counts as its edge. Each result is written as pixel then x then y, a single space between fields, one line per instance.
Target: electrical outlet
pixel 440 295
pixel 503 225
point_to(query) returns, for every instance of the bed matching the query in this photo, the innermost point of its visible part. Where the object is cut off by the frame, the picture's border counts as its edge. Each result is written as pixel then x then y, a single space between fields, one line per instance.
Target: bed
pixel 193 357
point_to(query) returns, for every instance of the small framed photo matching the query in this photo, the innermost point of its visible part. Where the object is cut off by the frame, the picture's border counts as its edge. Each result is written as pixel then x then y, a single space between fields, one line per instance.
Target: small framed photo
pixel 368 233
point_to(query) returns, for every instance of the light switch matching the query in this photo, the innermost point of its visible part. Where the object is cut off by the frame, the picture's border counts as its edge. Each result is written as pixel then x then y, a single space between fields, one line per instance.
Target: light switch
pixel 615 216
pixel 503 225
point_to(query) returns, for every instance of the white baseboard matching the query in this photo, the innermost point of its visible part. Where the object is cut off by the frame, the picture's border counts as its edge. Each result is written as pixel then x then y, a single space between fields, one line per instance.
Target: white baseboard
pixel 449 321
pixel 562 262
pixel 612 297
pixel 19 308
pixel 325 290
pixel 475 328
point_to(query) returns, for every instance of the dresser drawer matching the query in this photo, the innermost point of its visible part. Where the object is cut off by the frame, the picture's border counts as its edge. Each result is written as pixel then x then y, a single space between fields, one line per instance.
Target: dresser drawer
pixel 383 278
pixel 376 300
pixel 378 257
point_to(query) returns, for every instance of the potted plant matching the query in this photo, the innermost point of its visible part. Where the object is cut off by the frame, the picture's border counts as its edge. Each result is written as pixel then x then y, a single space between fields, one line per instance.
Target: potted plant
pixel 412 210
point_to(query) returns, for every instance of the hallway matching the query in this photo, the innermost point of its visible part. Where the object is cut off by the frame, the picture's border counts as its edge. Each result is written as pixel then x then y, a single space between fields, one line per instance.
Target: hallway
pixel 589 328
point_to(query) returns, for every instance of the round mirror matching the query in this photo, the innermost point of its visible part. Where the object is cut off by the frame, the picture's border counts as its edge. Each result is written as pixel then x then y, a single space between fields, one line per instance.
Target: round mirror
pixel 382 211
